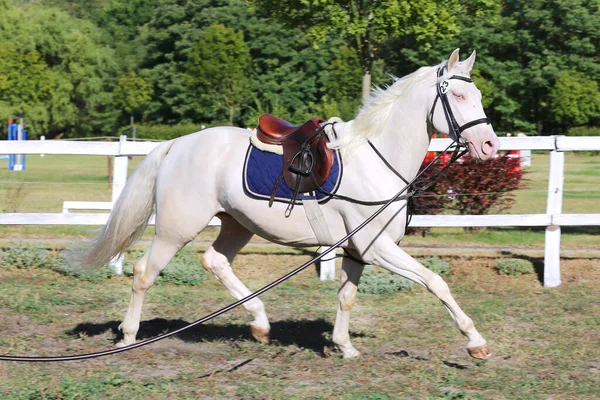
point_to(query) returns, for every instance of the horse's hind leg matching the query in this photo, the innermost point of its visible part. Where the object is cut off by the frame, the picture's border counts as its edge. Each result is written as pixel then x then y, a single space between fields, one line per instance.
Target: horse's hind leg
pixel 349 278
pixel 145 272
pixel 218 258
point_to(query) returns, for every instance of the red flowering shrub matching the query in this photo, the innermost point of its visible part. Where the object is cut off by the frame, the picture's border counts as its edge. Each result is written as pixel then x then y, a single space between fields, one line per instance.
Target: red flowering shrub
pixel 484 188
pixel 470 187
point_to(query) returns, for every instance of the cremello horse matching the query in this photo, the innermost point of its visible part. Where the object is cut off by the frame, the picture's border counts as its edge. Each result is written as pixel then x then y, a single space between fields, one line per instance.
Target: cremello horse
pixel 189 180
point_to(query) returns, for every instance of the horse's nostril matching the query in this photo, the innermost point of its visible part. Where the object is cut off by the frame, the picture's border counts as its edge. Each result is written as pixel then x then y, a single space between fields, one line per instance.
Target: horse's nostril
pixel 487 147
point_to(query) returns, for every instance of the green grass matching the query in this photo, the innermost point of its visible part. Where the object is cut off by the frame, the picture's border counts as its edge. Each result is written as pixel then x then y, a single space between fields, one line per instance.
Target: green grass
pixel 544 341
pixel 581 185
pixel 50 180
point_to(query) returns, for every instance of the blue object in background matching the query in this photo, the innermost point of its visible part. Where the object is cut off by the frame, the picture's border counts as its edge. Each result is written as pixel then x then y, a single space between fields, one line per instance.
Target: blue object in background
pixel 13 134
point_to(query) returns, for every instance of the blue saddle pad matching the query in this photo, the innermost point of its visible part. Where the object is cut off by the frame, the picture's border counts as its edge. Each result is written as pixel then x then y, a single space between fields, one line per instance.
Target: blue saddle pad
pixel 262 168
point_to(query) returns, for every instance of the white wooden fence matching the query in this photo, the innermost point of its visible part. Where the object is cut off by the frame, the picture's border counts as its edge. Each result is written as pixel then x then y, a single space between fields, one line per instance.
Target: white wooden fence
pixel 553 219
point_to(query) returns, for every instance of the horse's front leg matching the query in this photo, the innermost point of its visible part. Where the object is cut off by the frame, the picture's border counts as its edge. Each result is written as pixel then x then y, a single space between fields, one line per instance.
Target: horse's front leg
pixel 349 278
pixel 389 256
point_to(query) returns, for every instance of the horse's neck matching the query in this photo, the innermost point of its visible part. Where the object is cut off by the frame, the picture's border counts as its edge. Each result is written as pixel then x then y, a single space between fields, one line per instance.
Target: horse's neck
pixel 404 139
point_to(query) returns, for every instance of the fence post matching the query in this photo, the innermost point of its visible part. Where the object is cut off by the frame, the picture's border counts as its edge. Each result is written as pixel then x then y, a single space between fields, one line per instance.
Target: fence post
pixel 119 179
pixel 554 207
pixel 327 266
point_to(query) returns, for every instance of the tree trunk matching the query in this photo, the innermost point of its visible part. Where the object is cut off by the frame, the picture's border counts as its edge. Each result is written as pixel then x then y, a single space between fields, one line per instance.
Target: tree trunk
pixel 539 128
pixel 366 86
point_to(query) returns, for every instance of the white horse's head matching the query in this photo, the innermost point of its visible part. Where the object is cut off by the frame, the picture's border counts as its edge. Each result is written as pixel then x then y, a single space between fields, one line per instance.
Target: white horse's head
pixel 457 109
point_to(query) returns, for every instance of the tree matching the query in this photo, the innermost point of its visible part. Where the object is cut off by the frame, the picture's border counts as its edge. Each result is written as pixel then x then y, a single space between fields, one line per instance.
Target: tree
pixel 523 48
pixel 287 74
pixel 551 37
pixel 88 9
pixel 364 25
pixel 79 66
pixel 343 84
pixel 575 99
pixel 26 88
pixel 524 52
pixel 132 93
pixel 218 70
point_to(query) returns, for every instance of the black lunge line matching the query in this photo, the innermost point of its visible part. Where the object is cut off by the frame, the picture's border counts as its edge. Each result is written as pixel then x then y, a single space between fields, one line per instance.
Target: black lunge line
pixel 231 306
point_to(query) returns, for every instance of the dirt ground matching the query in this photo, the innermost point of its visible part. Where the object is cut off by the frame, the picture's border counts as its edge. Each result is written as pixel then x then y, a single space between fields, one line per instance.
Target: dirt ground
pixel 546 342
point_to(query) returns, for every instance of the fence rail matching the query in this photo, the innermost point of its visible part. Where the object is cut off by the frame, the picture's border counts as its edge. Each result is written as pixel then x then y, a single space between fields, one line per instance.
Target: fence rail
pixel 552 220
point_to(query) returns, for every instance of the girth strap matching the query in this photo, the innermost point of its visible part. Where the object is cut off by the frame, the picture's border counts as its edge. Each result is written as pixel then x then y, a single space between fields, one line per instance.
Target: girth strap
pixel 317 221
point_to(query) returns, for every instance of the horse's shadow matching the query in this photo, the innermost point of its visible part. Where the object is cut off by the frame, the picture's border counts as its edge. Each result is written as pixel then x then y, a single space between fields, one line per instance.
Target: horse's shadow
pixel 307 334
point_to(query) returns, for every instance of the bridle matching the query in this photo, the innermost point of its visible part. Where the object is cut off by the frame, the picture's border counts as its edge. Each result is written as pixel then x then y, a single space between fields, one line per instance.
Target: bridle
pixel 442 87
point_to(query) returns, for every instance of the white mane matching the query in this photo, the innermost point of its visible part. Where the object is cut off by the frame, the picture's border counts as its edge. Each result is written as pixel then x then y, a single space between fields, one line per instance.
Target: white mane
pixel 375 114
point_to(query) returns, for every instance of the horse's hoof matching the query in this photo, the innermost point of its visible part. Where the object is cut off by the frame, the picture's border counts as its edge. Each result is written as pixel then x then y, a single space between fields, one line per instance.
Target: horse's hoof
pixel 351 353
pixel 480 352
pixel 260 334
pixel 126 341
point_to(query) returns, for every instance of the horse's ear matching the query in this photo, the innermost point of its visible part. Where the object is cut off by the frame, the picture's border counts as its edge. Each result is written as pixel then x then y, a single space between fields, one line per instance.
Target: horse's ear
pixel 453 60
pixel 468 63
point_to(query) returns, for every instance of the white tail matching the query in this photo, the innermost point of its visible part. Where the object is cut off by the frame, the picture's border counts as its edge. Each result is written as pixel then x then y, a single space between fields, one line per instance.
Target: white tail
pixel 131 212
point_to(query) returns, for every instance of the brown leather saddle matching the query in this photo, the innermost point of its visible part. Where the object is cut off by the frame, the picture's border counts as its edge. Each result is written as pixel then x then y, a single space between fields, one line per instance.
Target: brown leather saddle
pixel 305 152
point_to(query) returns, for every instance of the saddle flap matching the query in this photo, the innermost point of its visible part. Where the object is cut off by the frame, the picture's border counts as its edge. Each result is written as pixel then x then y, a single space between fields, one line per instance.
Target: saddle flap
pixel 320 164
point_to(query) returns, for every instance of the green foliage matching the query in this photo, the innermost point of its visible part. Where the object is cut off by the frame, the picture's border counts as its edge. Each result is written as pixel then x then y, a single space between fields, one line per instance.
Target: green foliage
pixel 584 131
pixel 24 256
pixel 184 269
pixel 514 266
pixel 132 93
pixel 437 265
pixel 218 71
pixel 65 65
pixel 71 64
pixel 31 256
pixel 343 85
pixel 124 19
pixel 526 51
pixel 381 281
pixel 363 26
pixel 183 273
pixel 73 269
pixel 163 132
pixel 290 75
pixel 575 99
pixel 26 87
